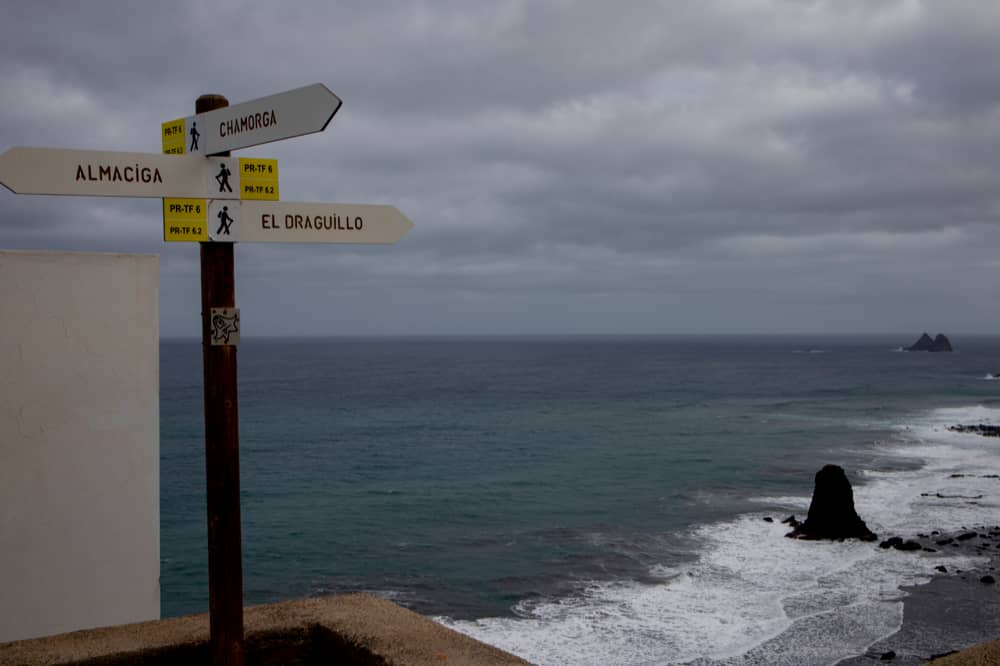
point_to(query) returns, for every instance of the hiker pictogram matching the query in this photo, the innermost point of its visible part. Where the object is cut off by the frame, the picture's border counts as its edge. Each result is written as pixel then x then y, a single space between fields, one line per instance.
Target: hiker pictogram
pixel 224 221
pixel 195 134
pixel 222 178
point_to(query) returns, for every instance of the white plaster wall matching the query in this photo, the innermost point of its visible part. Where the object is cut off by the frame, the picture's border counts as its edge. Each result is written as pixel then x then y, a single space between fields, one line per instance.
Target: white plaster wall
pixel 79 442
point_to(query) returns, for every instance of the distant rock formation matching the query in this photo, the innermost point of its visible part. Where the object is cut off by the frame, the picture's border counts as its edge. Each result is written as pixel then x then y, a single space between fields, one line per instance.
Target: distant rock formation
pixel 925 343
pixel 941 343
pixel 831 512
pixel 979 429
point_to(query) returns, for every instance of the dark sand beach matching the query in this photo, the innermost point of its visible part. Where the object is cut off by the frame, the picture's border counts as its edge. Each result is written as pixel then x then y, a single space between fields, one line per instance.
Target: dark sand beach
pixel 952 612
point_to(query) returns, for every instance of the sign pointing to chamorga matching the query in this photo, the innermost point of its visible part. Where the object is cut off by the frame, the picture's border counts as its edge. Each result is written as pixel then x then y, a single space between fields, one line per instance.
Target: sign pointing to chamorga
pixel 292 113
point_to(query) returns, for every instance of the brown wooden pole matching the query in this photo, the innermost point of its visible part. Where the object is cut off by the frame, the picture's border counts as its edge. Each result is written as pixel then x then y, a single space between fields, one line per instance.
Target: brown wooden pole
pixel 222 449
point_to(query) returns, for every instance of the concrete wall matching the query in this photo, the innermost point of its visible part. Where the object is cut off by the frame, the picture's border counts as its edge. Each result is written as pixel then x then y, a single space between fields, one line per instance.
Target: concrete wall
pixel 79 442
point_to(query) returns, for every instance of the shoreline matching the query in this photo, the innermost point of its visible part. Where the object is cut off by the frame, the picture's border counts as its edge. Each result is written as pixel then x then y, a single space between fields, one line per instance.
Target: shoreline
pixel 956 610
pixel 951 613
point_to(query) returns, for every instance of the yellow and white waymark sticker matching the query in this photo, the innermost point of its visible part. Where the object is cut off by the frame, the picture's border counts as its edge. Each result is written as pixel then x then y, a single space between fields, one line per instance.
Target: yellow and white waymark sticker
pixel 258 179
pixel 185 220
pixel 173 137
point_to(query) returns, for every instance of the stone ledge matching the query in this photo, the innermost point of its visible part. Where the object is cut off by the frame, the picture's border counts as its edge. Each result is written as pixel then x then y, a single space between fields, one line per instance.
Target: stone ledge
pixel 980 655
pixel 350 629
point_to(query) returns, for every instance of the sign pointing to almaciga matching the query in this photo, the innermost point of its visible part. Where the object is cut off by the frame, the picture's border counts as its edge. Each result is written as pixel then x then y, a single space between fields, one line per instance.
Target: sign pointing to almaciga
pixel 293 113
pixel 114 174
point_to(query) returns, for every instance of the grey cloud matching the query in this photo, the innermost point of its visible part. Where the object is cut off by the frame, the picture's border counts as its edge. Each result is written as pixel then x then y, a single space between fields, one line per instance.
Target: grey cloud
pixel 566 164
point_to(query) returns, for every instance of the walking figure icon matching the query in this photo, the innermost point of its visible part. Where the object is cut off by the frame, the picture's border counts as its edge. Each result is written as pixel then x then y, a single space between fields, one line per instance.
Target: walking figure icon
pixel 195 135
pixel 222 178
pixel 224 221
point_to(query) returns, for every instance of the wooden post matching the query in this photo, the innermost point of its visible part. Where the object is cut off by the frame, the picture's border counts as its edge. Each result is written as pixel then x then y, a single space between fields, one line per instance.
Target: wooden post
pixel 222 450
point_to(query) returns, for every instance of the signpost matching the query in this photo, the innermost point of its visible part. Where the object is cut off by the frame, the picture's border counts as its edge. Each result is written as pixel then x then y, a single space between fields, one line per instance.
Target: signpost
pixel 222 448
pixel 216 200
pixel 283 116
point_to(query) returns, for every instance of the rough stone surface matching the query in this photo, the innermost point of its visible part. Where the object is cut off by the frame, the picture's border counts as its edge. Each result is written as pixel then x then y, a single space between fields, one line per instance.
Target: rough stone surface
pixel 981 655
pixel 831 512
pixel 983 429
pixel 941 343
pixel 350 629
pixel 924 343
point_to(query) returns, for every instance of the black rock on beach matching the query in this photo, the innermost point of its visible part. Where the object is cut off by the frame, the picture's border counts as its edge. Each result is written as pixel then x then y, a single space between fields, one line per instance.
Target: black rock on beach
pixel 977 429
pixel 831 512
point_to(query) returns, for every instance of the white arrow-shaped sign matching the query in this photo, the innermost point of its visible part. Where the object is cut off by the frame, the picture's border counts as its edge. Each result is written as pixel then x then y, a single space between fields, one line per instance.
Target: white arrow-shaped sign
pixel 113 174
pixel 282 116
pixel 293 222
pixel 281 222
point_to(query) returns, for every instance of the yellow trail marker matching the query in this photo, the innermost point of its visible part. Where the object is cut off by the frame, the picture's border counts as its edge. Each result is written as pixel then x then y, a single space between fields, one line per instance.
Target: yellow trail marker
pixel 185 220
pixel 258 179
pixel 173 137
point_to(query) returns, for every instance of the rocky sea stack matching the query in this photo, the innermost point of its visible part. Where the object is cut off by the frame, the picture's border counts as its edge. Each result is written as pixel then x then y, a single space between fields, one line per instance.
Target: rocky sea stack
pixel 925 343
pixel 831 512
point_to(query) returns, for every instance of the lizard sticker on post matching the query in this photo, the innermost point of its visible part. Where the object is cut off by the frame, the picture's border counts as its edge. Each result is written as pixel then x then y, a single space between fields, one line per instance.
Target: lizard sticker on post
pixel 225 327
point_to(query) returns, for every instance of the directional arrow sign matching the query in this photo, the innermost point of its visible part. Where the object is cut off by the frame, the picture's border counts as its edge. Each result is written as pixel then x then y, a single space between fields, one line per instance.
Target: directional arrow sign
pixel 291 222
pixel 201 220
pixel 113 174
pixel 282 116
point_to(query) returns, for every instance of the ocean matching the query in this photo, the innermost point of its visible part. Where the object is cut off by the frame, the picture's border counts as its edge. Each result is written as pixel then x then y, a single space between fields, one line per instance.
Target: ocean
pixel 590 500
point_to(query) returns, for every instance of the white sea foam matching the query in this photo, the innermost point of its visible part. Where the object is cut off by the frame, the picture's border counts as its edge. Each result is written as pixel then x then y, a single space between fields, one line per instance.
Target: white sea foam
pixel 752 594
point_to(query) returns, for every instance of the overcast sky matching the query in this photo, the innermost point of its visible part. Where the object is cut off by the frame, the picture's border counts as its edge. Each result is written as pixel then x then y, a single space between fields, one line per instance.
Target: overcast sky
pixel 569 167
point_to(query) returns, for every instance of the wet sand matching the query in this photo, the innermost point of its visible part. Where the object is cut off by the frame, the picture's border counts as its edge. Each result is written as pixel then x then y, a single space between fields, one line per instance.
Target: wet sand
pixel 952 612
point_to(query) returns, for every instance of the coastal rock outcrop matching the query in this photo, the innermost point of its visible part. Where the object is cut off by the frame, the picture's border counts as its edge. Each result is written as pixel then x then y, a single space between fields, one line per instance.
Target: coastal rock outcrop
pixel 983 429
pixel 831 512
pixel 899 544
pixel 939 344
pixel 924 343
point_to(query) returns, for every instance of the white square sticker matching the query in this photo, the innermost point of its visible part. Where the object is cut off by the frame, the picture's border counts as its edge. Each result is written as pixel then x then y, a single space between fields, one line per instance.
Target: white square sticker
pixel 223 178
pixel 193 141
pixel 223 220
pixel 225 327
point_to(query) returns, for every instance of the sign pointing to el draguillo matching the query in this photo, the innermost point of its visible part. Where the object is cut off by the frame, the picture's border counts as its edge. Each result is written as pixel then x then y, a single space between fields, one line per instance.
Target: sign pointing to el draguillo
pixel 293 222
pixel 285 115
pixel 216 200
pixel 281 222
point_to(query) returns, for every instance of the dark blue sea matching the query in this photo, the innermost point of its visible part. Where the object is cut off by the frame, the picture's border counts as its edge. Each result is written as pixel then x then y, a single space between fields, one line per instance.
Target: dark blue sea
pixel 588 500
